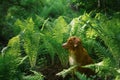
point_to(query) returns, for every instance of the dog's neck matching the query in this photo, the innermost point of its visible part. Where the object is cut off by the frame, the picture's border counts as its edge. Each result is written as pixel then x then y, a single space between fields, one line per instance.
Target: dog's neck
pixel 74 54
pixel 72 60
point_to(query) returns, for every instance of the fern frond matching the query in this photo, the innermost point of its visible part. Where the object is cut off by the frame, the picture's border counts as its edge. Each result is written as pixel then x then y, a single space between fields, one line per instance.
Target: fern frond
pixel 103 68
pixel 82 76
pixel 53 39
pixel 108 31
pixel 36 76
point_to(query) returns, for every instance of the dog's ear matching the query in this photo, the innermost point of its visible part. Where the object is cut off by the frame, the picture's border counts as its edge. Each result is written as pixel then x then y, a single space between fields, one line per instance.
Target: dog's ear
pixel 76 42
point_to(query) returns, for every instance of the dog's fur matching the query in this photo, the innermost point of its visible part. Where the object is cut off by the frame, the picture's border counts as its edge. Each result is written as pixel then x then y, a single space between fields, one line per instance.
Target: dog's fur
pixel 78 55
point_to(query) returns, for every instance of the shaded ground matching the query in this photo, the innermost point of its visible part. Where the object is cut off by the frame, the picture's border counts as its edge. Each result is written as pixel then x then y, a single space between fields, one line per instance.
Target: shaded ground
pixel 50 72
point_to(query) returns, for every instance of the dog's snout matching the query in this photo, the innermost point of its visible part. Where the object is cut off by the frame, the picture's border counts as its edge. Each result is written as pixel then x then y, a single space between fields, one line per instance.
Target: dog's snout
pixel 64 45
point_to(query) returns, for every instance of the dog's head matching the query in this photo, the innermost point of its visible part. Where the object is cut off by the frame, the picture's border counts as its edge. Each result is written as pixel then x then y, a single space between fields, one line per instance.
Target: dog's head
pixel 72 43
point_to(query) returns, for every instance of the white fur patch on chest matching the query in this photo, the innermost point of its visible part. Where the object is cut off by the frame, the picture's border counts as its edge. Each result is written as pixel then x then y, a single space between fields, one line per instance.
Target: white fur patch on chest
pixel 72 60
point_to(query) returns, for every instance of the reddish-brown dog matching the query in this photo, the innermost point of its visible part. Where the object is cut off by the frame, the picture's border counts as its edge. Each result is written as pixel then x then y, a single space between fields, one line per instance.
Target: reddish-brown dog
pixel 78 55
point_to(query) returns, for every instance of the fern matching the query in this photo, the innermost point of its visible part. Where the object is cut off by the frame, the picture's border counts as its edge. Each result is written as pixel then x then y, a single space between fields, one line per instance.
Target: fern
pixel 104 68
pixel 9 67
pixel 82 76
pixel 88 29
pixel 54 38
pixel 36 76
pixel 109 31
pixel 13 47
pixel 117 77
pixel 10 60
pixel 103 51
pixel 30 37
pixel 31 43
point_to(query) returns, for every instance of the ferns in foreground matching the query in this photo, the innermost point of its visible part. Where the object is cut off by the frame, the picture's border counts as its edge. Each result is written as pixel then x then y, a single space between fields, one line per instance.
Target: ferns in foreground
pixel 105 69
pixel 10 61
pixel 35 76
pixel 9 68
pixel 82 76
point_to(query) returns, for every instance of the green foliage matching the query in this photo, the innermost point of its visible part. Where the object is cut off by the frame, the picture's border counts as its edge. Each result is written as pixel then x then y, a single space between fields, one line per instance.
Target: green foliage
pixel 103 51
pixel 36 76
pixel 52 7
pixel 117 77
pixel 109 32
pixel 89 29
pixel 54 38
pixel 82 76
pixel 14 46
pixel 10 60
pixel 104 68
pixel 31 37
pixel 9 67
pixel 35 29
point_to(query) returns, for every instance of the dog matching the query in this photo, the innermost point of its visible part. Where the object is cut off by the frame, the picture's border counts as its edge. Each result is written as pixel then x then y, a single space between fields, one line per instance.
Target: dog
pixel 78 55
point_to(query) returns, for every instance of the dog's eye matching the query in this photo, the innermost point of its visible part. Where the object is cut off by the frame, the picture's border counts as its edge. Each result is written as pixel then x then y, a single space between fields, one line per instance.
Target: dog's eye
pixel 70 41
